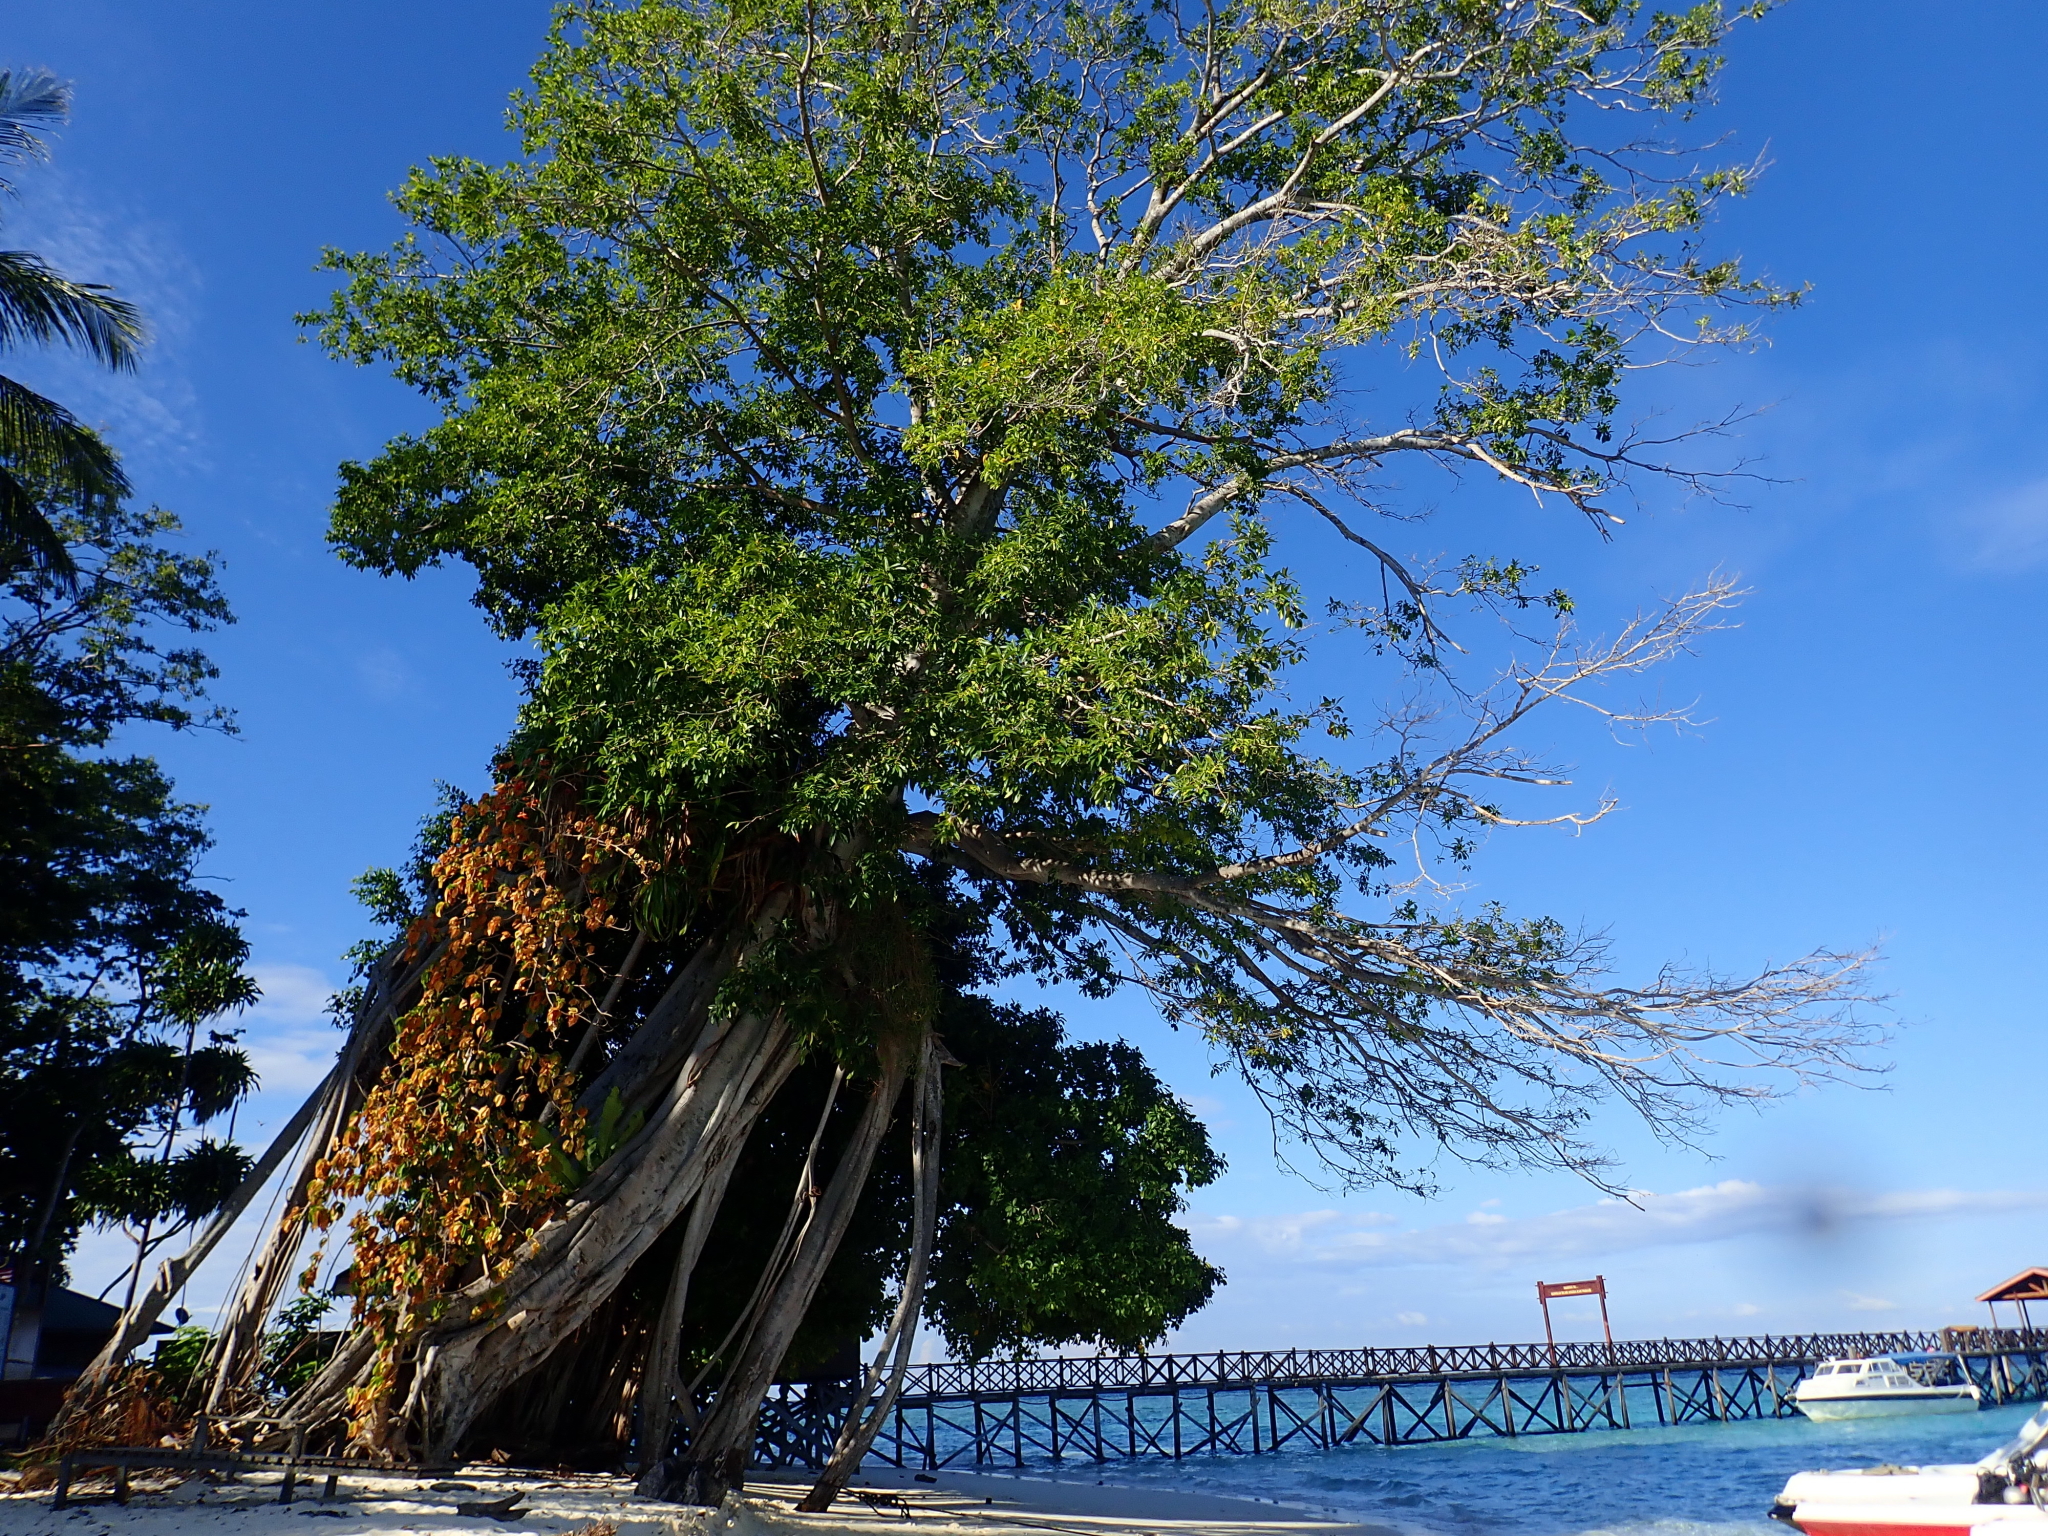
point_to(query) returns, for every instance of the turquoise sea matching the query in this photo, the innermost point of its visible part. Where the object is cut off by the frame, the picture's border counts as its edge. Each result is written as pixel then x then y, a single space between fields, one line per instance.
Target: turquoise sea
pixel 1700 1480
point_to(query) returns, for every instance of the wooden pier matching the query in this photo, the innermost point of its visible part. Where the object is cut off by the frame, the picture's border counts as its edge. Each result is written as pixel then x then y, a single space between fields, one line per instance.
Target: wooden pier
pixel 1017 1414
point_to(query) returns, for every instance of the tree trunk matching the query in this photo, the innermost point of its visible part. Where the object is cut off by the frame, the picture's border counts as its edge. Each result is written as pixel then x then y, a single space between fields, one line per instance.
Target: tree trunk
pixel 32 1255
pixel 803 1206
pixel 649 1059
pixel 234 1351
pixel 323 1401
pixel 720 1449
pixel 142 1313
pixel 662 1387
pixel 701 1078
pixel 235 1346
pixel 572 1264
pixel 857 1434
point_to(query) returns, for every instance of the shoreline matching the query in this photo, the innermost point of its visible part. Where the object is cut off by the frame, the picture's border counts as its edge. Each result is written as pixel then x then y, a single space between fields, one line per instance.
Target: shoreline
pixel 584 1504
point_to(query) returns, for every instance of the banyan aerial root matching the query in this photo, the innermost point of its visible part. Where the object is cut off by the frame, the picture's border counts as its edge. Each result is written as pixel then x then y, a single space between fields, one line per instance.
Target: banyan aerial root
pixel 473 1135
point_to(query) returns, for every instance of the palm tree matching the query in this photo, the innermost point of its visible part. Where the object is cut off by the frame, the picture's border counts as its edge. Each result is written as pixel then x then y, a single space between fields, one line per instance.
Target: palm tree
pixel 50 459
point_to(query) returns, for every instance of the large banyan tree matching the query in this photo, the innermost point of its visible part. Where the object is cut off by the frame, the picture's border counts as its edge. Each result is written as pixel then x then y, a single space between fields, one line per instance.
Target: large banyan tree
pixel 884 420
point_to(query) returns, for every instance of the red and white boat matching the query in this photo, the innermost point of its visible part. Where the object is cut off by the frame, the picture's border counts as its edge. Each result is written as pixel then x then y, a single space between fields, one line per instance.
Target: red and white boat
pixel 2005 1494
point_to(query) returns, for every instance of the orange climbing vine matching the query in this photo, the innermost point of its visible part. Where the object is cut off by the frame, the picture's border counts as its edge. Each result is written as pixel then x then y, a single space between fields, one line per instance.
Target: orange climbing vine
pixel 451 1162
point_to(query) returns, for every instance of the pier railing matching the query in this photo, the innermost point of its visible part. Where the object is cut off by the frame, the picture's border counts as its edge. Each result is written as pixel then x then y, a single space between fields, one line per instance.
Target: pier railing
pixel 1049 1409
pixel 1224 1368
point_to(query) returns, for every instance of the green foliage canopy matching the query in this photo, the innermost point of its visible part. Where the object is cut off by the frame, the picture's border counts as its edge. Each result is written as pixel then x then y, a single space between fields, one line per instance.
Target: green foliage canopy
pixel 113 956
pixel 1064 1170
pixel 882 414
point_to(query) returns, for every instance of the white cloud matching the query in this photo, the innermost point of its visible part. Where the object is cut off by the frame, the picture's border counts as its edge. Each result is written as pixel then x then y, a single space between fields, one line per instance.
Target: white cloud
pixel 292 994
pixel 1869 1303
pixel 1412 1319
pixel 152 412
pixel 1286 1235
pixel 2009 533
pixel 384 674
pixel 1711 1213
pixel 291 1042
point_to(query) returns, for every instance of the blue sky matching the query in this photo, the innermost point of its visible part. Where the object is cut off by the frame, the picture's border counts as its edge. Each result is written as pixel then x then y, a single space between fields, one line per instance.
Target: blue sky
pixel 1869 768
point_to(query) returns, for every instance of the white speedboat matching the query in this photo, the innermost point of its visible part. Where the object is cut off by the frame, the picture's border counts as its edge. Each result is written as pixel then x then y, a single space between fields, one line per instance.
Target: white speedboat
pixel 2002 1495
pixel 1878 1388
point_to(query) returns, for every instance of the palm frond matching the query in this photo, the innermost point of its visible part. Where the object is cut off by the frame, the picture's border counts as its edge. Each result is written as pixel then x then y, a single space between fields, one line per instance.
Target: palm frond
pixel 49 459
pixel 28 539
pixel 40 304
pixel 28 97
pixel 44 443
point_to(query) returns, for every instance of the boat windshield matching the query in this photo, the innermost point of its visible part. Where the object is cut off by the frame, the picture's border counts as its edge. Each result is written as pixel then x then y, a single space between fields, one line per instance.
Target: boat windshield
pixel 2020 1446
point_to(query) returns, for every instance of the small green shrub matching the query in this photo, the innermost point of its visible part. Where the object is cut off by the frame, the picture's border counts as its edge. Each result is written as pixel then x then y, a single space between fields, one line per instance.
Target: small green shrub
pixel 180 1355
pixel 295 1347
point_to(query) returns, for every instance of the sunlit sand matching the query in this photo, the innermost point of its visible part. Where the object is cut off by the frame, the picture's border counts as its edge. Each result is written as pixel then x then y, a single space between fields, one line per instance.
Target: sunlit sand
pixel 563 1504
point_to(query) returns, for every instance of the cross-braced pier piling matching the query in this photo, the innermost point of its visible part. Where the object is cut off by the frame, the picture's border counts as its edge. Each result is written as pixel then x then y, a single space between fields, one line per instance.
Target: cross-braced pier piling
pixel 1041 1412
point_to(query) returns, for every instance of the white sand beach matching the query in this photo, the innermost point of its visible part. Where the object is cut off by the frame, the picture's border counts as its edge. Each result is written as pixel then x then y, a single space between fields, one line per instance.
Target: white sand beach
pixel 598 1505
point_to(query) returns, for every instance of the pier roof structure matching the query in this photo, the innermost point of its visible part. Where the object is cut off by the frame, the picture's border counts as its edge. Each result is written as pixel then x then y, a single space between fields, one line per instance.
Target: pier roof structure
pixel 2028 1285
